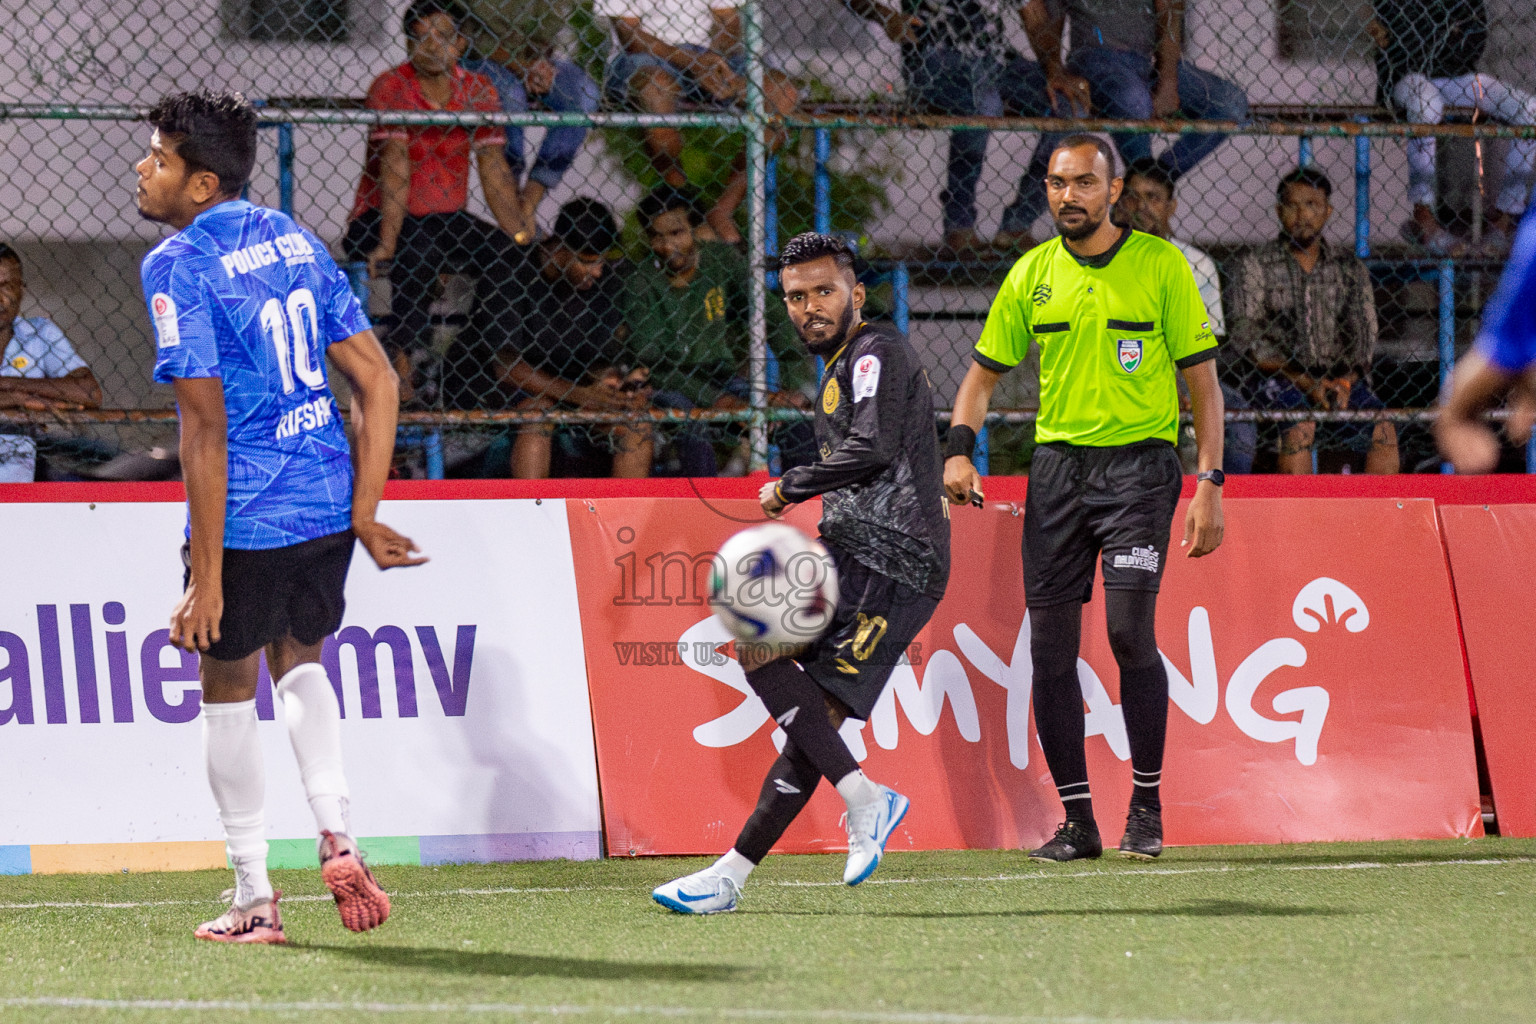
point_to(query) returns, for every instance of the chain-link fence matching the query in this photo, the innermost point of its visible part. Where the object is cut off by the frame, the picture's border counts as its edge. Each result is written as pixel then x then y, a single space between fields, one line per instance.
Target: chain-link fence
pixel 595 297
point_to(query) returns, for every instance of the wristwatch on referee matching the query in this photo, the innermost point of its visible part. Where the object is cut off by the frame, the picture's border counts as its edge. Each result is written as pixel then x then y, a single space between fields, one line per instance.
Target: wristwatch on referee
pixel 1215 476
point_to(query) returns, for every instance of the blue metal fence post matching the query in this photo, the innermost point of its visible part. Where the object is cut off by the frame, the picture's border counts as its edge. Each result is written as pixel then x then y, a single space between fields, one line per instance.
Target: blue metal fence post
pixel 1362 196
pixel 1447 333
pixel 285 167
pixel 1530 454
pixel 823 181
pixel 1303 151
pixel 901 309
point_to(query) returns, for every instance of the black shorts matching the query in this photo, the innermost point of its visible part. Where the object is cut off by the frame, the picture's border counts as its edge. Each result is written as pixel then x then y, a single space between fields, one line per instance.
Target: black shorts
pixel 876 619
pixel 1083 502
pixel 297 591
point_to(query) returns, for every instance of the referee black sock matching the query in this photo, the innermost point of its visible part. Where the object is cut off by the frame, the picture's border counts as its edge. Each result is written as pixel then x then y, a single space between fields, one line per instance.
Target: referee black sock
pixel 1055 632
pixel 786 791
pixel 800 708
pixel 1143 689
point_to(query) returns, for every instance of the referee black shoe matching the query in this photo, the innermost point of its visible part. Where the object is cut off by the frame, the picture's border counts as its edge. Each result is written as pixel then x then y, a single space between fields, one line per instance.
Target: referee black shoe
pixel 1073 841
pixel 1143 837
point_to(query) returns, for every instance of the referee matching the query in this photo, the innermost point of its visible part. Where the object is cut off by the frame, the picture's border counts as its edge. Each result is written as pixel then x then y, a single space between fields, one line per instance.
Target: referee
pixel 1114 311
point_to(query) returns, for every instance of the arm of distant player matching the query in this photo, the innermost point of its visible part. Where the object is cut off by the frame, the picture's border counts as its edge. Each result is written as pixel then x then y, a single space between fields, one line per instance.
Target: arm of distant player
pixel 205 469
pixel 961 479
pixel 873 436
pixel 1465 440
pixel 1204 526
pixel 375 409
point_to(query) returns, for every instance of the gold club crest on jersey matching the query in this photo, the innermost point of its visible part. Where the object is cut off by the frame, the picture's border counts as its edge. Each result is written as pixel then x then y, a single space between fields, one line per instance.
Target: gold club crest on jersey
pixel 830 396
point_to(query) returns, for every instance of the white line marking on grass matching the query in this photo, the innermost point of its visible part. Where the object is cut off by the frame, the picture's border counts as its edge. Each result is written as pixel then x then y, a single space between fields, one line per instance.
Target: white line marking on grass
pixel 1044 875
pixel 568 1010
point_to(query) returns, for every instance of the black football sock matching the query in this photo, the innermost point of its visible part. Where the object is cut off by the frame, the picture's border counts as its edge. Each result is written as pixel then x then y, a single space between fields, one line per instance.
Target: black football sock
pixel 800 708
pixel 1054 633
pixel 1143 689
pixel 786 791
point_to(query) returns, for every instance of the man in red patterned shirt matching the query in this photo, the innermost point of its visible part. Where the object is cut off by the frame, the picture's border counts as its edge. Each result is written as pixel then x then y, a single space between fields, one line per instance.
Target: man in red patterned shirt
pixel 409 219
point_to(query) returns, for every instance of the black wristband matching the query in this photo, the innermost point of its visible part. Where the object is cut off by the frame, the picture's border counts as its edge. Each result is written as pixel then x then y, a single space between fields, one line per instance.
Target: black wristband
pixel 961 440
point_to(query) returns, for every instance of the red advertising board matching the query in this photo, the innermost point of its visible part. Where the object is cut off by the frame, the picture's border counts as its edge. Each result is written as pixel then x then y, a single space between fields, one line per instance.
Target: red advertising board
pixel 1317 683
pixel 1493 559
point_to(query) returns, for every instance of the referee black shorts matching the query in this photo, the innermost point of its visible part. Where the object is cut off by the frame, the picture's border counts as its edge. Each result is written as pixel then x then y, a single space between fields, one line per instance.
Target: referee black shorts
pixel 1083 503
pixel 877 618
pixel 297 591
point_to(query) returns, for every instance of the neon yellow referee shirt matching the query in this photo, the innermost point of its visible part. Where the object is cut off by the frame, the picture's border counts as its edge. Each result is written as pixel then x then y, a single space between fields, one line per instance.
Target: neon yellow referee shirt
pixel 1111 328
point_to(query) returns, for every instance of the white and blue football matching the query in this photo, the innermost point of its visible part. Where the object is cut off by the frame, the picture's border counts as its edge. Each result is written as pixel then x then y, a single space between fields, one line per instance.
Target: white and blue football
pixel 775 586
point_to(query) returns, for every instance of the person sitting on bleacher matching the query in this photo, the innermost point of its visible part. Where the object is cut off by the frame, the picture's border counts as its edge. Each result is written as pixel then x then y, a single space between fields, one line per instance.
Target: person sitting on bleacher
pixel 41 370
pixel 955 59
pixel 686 313
pixel 1130 51
pixel 409 219
pixel 512 43
pixel 560 348
pixel 674 51
pixel 1304 316
pixel 1147 203
pixel 1426 60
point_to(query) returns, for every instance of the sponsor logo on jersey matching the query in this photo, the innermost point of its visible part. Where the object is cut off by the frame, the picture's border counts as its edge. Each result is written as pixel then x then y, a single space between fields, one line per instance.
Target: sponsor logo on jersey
pixel 163 308
pixel 866 378
pixel 1139 558
pixel 1042 294
pixel 291 248
pixel 1130 354
pixel 830 395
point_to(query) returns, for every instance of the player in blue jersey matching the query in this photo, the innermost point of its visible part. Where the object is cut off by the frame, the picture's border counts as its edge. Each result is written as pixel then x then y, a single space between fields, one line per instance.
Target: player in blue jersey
pixel 246 306
pixel 1502 360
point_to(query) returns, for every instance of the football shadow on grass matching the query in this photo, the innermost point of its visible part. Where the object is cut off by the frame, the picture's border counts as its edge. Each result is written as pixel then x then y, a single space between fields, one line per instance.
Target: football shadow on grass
pixel 1194 908
pixel 523 965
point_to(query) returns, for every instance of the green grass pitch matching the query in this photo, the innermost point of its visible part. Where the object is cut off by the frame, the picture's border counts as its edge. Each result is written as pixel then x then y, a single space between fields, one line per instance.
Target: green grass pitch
pixel 1338 934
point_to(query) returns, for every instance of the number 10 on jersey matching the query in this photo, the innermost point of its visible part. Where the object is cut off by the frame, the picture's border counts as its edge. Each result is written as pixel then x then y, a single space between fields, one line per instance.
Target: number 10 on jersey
pixel 294 329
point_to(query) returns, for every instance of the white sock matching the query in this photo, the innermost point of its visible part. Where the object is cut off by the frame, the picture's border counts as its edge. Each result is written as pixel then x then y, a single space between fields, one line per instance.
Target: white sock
pixel 314 728
pixel 857 789
pixel 735 867
pixel 237 776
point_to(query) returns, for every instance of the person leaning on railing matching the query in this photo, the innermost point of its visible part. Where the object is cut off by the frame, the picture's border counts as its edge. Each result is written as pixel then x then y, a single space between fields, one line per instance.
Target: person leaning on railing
pixel 1131 53
pixel 41 370
pixel 558 347
pixel 409 219
pixel 956 59
pixel 512 42
pixel 670 51
pixel 1427 58
pixel 1304 315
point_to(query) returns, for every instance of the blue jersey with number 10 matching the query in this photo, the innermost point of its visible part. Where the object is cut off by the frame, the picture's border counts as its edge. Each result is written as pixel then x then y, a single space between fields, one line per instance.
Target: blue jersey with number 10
pixel 245 294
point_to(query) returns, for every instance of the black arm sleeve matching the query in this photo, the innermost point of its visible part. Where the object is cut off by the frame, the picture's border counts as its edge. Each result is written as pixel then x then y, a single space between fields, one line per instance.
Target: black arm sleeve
pixel 873 434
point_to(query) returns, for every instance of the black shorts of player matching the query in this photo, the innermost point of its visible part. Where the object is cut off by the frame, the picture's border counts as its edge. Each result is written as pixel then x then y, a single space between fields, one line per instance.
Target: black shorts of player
pixel 1086 502
pixel 297 591
pixel 876 620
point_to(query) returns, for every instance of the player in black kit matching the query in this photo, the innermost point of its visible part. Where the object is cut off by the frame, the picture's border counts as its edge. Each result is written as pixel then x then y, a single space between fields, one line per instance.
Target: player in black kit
pixel 885 521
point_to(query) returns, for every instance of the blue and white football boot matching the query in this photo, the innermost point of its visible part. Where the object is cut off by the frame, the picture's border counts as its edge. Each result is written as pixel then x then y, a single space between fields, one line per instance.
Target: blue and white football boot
pixel 868 829
pixel 703 892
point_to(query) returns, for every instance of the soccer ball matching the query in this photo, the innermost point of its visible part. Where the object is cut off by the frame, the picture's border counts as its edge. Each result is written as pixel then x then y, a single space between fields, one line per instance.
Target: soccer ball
pixel 774 586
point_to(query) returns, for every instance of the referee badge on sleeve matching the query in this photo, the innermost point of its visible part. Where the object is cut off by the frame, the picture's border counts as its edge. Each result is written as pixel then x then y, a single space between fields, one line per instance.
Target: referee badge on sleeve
pixel 1130 354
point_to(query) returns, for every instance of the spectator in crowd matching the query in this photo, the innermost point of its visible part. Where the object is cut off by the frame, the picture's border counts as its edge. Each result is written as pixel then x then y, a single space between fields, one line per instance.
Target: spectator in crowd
pixel 409 218
pixel 560 348
pixel 1304 315
pixel 1131 53
pixel 41 370
pixel 512 42
pixel 1427 57
pixel 955 59
pixel 1147 203
pixel 686 310
pixel 687 50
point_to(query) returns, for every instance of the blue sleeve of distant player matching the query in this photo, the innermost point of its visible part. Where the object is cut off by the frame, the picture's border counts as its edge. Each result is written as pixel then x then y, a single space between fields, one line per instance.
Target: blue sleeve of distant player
pixel 185 342
pixel 1508 335
pixel 343 314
